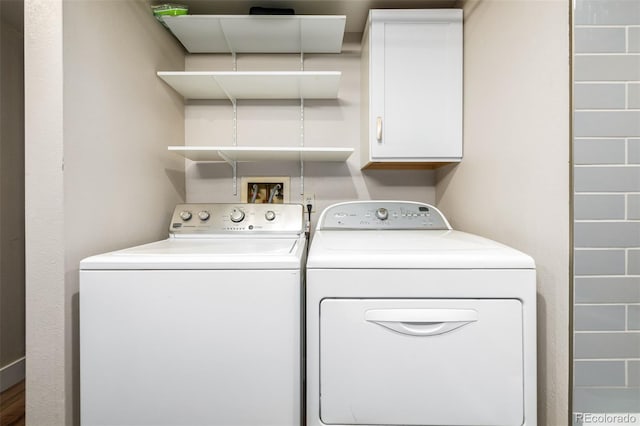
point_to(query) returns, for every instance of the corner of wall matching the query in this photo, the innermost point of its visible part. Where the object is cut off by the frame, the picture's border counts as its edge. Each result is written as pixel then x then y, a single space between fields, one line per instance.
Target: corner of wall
pixel 513 182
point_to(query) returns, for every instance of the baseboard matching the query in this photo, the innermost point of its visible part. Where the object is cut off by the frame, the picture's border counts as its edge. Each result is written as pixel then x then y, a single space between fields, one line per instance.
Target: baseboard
pixel 11 374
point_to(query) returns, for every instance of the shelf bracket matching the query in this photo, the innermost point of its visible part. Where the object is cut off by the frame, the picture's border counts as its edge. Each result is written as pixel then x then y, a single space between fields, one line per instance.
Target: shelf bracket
pixel 234 129
pixel 302 145
pixel 301 127
pixel 234 169
pixel 233 163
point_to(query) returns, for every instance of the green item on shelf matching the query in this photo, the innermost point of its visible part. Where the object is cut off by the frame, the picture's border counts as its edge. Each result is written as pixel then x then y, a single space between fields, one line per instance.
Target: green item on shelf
pixel 169 9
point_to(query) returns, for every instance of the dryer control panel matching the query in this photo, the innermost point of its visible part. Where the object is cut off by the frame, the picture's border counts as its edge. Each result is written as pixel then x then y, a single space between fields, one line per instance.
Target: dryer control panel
pixel 222 218
pixel 392 215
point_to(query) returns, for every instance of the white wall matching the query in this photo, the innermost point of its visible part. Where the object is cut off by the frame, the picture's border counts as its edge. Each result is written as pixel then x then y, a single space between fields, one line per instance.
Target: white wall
pixel 333 123
pixel 11 194
pixel 513 184
pixel 99 176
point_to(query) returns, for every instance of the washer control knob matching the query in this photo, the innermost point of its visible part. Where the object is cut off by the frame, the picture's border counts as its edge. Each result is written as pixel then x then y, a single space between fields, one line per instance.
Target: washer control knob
pixel 236 215
pixel 382 213
pixel 204 215
pixel 185 215
pixel 270 215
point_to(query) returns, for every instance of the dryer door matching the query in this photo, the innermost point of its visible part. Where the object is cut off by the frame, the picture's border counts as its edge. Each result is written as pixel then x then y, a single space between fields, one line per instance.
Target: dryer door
pixel 421 362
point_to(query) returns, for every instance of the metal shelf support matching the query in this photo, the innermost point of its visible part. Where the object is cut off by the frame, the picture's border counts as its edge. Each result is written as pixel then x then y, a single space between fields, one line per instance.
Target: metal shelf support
pixel 301 132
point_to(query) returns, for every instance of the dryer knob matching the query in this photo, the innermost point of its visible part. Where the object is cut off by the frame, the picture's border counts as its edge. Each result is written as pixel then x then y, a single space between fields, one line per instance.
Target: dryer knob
pixel 270 215
pixel 382 213
pixel 185 215
pixel 236 215
pixel 204 215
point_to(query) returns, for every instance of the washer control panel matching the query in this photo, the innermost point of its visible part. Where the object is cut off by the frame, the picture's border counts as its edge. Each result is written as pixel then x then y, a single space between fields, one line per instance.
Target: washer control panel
pixel 383 215
pixel 236 218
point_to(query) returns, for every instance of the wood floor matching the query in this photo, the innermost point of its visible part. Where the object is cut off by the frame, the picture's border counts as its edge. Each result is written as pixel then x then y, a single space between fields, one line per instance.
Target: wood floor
pixel 12 406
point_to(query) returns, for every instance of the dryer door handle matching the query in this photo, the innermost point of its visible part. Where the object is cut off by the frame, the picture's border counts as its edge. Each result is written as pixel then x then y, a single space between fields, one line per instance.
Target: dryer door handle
pixel 421 322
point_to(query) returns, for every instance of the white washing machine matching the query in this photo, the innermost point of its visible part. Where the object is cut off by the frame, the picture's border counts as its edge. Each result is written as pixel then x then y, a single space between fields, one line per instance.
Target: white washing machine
pixel 200 329
pixel 412 323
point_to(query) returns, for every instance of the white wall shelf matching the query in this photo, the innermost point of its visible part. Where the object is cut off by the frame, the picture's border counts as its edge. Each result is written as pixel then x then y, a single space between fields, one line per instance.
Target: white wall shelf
pixel 254 84
pixel 258 33
pixel 253 153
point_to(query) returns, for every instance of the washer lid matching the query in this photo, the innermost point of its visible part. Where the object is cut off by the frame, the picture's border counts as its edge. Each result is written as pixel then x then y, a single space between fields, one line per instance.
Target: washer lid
pixel 204 253
pixel 411 249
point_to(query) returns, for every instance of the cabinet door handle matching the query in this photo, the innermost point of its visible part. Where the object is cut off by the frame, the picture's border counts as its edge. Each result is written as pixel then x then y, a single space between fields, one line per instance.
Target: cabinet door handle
pixel 379 129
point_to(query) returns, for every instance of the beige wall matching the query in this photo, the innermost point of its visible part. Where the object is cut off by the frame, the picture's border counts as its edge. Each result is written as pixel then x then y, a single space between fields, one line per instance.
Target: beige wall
pixel 44 251
pixel 11 193
pixel 333 123
pixel 98 174
pixel 513 184
pixel 98 122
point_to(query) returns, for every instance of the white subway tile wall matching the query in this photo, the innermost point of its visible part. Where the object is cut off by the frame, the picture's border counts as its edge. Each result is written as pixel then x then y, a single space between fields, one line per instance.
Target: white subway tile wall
pixel 607 206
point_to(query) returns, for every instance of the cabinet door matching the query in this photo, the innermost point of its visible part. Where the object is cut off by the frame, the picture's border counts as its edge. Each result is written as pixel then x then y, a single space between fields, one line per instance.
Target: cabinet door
pixel 416 85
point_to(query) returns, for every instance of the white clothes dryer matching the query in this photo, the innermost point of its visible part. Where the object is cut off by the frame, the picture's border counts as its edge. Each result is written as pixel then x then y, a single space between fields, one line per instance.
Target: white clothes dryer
pixel 200 329
pixel 412 323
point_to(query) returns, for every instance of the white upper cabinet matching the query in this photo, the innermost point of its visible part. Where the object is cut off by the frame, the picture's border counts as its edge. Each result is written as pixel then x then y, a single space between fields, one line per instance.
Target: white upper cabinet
pixel 412 88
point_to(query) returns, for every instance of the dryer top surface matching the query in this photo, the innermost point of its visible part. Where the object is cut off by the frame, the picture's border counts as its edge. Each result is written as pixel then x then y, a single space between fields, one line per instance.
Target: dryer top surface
pixel 411 249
